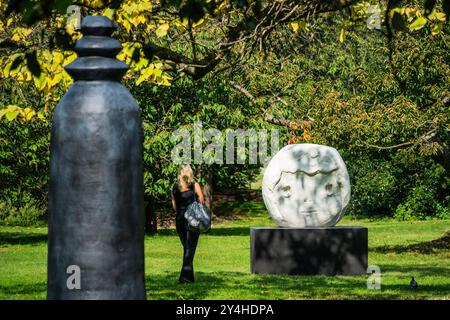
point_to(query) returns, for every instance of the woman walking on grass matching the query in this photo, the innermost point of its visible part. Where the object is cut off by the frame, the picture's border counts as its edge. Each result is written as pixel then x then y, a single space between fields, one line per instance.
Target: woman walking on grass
pixel 183 194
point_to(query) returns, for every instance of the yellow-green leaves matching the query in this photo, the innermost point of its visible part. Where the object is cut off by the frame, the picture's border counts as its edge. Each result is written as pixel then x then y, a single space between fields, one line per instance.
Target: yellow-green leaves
pixel 108 12
pixel 133 13
pixel 40 82
pixel 10 113
pixel 418 24
pixel 406 17
pixel 435 18
pixel 344 26
pixel 45 70
pixel 20 34
pixel 141 68
pixel 155 74
pixel 299 25
pixel 414 19
pixel 13 112
pixel 438 19
pixel 12 64
pixel 360 9
pixel 294 26
pixel 162 30
pixel 145 74
pixel 437 28
pixel 342 34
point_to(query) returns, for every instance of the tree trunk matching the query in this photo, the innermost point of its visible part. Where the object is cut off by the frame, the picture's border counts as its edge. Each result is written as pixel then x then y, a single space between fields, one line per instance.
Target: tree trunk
pixel 207 188
pixel 151 222
pixel 443 158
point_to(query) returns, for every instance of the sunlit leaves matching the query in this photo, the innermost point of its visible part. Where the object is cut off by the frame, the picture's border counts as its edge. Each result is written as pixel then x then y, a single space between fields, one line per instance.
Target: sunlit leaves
pixel 110 13
pixel 403 16
pixel 437 28
pixel 294 26
pixel 14 112
pixel 430 149
pixel 306 135
pixel 131 55
pixel 20 33
pixel 411 18
pixel 140 66
pixel 162 30
pixel 44 69
pixel 418 24
pixel 301 25
pixel 437 16
pixel 132 14
pixel 342 34
pixel 360 9
pixel 154 73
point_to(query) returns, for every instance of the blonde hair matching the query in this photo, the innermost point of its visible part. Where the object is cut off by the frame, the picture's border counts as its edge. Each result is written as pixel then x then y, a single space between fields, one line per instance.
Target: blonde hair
pixel 185 177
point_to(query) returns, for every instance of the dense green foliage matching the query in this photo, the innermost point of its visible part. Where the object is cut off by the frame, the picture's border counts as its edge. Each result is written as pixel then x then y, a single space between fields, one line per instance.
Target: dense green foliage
pixel 25 147
pixel 209 101
pixel 24 159
pixel 380 101
pixel 381 104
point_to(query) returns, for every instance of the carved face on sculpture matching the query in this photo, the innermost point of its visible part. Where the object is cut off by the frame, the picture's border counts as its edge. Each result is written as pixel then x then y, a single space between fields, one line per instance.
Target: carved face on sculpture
pixel 306 185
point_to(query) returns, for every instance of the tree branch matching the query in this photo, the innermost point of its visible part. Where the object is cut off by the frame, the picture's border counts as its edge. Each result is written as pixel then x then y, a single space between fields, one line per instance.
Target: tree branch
pixel 267 116
pixel 428 136
pixel 270 16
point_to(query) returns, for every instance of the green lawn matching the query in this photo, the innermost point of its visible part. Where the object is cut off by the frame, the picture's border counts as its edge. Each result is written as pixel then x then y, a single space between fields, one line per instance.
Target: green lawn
pixel 222 263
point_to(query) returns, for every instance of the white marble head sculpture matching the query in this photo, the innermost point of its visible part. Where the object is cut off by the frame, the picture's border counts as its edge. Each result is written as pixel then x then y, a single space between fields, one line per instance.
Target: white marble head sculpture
pixel 306 185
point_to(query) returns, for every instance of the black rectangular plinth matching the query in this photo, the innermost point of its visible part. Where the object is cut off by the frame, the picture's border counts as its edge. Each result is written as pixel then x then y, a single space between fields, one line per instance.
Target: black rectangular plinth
pixel 311 251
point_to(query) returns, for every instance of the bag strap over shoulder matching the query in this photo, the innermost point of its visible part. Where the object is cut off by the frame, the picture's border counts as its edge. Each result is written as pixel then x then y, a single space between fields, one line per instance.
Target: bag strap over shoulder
pixel 195 195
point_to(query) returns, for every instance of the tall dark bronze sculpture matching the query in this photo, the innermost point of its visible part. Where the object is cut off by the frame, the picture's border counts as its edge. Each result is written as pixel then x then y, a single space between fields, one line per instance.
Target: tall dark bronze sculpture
pixel 96 216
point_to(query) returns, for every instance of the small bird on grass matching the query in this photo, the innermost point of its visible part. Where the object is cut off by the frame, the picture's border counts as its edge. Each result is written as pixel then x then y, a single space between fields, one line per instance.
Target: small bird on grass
pixel 413 284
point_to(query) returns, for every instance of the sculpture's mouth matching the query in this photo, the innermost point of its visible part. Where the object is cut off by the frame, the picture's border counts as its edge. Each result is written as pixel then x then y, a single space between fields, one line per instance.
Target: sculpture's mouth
pixel 307 212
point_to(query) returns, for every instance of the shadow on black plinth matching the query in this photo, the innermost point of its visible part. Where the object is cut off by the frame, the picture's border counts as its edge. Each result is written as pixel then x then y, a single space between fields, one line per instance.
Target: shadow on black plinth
pixel 309 251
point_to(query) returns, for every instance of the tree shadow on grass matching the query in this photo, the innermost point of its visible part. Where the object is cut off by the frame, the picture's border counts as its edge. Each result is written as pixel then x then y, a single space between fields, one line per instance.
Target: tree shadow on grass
pixel 237 231
pixel 422 274
pixel 238 208
pixel 240 285
pixel 412 270
pixel 11 292
pixel 427 247
pixel 15 238
pixel 165 232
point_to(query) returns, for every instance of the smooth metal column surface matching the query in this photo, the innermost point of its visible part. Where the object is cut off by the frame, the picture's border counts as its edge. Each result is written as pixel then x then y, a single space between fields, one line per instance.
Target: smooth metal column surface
pixel 96 216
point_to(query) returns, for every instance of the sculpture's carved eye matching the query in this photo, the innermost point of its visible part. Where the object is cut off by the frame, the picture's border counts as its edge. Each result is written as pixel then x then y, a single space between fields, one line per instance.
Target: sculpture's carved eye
pixel 329 189
pixel 286 190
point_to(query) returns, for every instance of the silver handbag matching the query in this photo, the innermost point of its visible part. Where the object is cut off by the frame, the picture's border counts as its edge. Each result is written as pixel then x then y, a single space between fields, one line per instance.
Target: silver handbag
pixel 198 217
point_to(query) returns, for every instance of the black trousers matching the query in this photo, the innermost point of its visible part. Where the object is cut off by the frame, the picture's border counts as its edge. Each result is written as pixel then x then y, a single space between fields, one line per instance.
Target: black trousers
pixel 189 241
